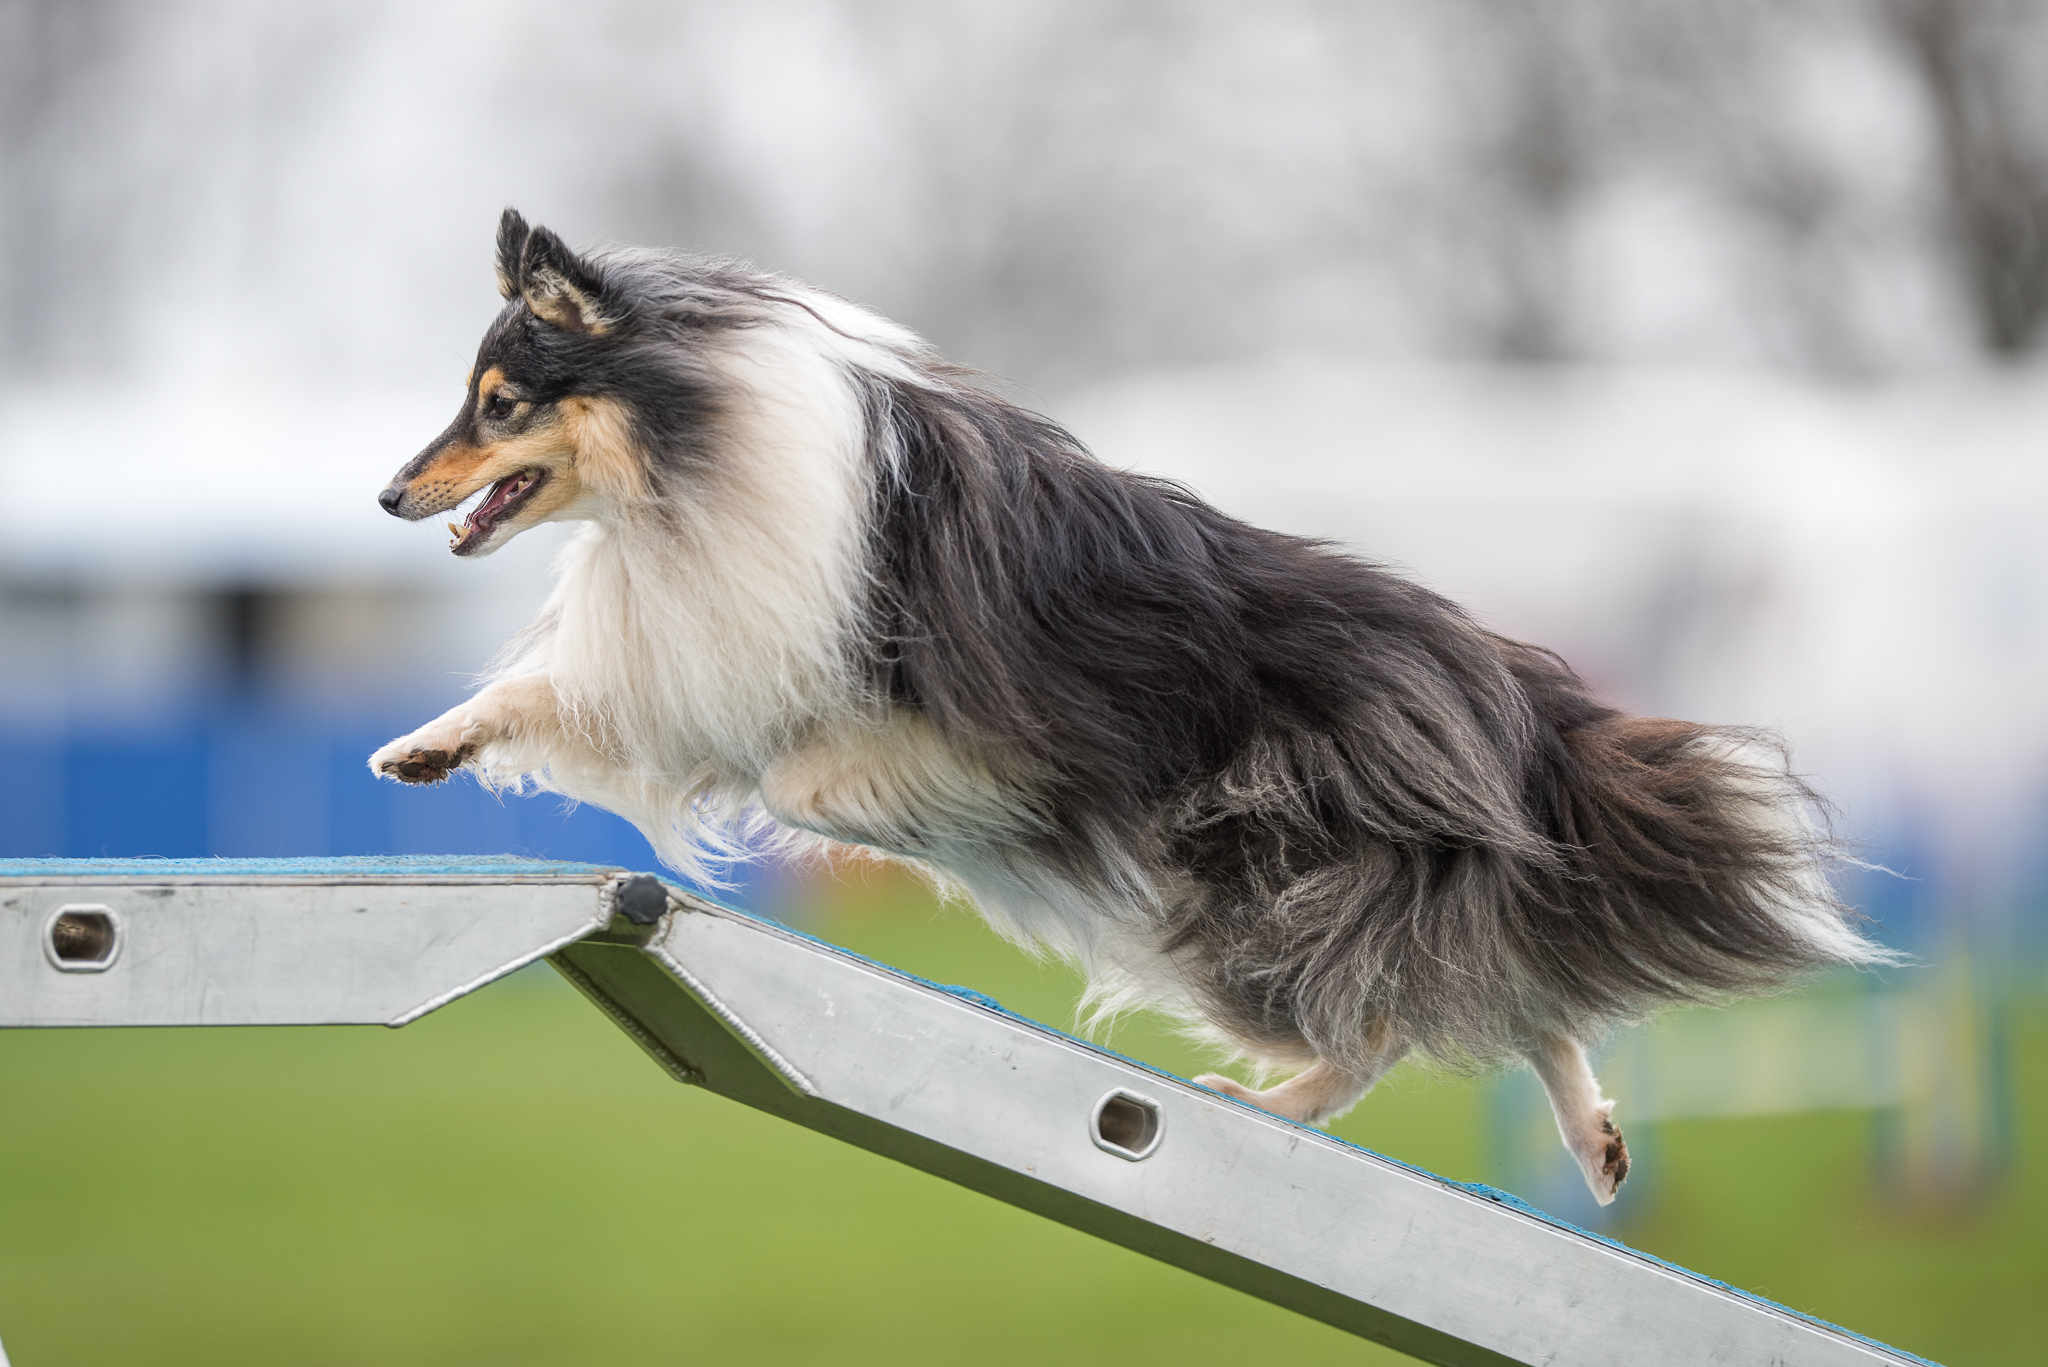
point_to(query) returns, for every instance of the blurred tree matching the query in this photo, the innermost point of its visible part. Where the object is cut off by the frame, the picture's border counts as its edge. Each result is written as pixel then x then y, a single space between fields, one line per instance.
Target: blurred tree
pixel 1981 61
pixel 1537 159
pixel 47 50
pixel 1060 191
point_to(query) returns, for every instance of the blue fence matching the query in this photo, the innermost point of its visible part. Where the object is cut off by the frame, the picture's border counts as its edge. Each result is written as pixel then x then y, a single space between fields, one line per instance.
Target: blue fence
pixel 248 775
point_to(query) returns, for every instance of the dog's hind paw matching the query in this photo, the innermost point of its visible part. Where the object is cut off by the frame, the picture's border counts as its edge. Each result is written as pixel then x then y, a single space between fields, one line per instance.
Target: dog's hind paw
pixel 1603 1157
pixel 414 764
pixel 1230 1087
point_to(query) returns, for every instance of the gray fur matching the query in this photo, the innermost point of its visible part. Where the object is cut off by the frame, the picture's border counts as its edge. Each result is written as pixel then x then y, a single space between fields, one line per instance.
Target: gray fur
pixel 1355 808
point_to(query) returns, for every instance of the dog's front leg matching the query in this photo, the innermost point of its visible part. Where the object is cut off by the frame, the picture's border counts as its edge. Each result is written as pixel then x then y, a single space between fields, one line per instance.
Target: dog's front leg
pixel 525 709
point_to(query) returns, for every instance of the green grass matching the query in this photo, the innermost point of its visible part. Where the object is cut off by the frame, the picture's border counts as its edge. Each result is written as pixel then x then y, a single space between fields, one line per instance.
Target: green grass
pixel 510 1181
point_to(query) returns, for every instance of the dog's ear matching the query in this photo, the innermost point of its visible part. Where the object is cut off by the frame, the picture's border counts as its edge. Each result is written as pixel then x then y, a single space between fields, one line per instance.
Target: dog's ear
pixel 559 286
pixel 512 234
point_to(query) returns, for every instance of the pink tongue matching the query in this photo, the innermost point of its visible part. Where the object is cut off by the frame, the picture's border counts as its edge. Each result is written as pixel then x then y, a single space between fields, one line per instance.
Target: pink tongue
pixel 495 504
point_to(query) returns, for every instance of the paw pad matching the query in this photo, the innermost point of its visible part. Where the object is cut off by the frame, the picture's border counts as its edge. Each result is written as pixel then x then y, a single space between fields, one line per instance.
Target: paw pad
pixel 1617 1159
pixel 427 766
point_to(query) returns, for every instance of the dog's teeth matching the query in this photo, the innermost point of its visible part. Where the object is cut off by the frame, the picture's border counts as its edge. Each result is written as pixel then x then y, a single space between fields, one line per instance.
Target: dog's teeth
pixel 455 528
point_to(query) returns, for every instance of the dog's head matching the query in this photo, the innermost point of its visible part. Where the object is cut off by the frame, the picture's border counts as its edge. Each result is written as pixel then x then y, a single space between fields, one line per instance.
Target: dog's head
pixel 644 382
pixel 543 427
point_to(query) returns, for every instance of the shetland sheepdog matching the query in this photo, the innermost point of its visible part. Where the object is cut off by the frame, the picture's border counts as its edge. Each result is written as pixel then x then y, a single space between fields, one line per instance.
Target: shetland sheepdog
pixel 830 584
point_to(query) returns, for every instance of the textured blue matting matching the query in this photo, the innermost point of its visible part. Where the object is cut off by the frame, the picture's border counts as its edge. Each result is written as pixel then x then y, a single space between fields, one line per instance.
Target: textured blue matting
pixel 354 866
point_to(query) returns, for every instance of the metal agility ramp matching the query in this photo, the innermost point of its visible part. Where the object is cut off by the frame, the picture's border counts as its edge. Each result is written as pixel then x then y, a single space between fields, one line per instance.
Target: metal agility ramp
pixel 937 1077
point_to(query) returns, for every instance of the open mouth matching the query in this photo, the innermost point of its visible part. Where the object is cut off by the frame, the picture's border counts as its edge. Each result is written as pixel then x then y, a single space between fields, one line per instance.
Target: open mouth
pixel 505 498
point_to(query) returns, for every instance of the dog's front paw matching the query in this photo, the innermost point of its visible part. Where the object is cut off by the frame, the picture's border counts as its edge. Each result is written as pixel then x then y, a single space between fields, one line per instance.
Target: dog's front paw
pixel 410 761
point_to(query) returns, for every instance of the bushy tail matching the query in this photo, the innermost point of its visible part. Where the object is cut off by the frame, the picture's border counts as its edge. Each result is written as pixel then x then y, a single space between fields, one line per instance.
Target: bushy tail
pixel 1697 866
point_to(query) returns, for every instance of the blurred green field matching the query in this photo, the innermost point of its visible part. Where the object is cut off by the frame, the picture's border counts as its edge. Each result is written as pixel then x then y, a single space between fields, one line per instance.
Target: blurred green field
pixel 510 1181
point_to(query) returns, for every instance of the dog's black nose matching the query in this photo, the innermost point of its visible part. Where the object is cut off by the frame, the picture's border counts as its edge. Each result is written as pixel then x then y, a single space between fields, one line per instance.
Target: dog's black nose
pixel 390 499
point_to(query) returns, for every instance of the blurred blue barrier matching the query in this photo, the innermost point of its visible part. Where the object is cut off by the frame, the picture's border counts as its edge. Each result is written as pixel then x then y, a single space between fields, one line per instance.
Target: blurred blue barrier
pixel 250 776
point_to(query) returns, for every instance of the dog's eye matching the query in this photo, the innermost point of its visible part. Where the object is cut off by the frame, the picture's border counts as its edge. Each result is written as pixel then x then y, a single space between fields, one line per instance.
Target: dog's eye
pixel 500 405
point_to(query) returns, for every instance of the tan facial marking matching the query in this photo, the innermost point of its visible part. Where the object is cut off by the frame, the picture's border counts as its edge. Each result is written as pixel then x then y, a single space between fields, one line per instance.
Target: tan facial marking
pixel 607 458
pixel 487 385
pixel 582 442
pixel 450 477
pixel 461 469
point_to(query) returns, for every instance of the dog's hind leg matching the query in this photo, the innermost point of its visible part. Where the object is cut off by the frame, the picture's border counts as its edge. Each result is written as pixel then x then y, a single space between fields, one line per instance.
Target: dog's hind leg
pixel 523 711
pixel 1584 1119
pixel 1323 1090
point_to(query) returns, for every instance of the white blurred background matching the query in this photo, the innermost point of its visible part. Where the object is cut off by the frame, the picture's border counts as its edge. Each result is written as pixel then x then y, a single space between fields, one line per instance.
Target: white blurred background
pixel 1698 342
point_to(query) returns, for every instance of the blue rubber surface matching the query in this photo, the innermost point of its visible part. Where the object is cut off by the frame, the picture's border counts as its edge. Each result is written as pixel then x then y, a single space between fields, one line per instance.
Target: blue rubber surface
pixel 356 866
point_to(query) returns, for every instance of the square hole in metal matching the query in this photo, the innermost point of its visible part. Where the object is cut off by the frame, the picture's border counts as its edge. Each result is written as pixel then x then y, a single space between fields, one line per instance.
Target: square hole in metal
pixel 1126 1124
pixel 83 939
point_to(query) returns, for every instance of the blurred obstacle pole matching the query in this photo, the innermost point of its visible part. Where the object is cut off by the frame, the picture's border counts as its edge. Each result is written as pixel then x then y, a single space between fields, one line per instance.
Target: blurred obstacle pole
pixel 1949 1143
pixel 940 1078
pixel 1922 1052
